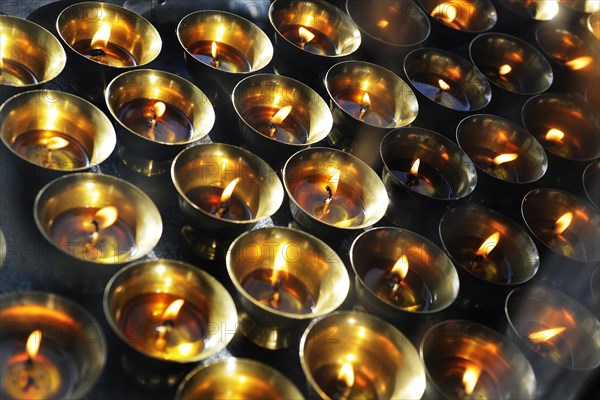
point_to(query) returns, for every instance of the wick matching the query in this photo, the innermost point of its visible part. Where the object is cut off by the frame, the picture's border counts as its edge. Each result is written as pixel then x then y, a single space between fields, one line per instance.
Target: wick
pixel 94 237
pixel 327 200
pixel 412 180
pixel 275 296
pixel 216 62
pixel 152 123
pixel 342 390
pixel 438 95
pixel 363 110
pixel 223 208
pixel 162 330
pixel 302 43
pixel 396 281
pixel 97 52
pixel 475 261
pixel 49 158
pixel 272 129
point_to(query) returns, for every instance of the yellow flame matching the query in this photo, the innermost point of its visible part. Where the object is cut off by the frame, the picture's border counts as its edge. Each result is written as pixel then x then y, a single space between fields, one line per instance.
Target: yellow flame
pixel 106 216
pixel 305 34
pixel 547 334
pixel 445 11
pixel 563 222
pixel 383 23
pixel 228 191
pixel 414 168
pixel 489 244
pixel 33 343
pixel 159 109
pixel 172 310
pixel 214 50
pixel 555 135
pixel 334 181
pixel 281 115
pixel 401 267
pixel 279 266
pixel 470 378
pixel 579 63
pixel 366 100
pixel 504 69
pixel 56 143
pixel 346 374
pixel 504 158
pixel 443 84
pixel 101 36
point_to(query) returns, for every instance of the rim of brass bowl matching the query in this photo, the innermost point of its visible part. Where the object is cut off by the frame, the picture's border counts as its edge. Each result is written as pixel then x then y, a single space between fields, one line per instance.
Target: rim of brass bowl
pixel 549 300
pixel 592 96
pixel 415 19
pixel 463 221
pixel 2 248
pixel 544 10
pixel 91 351
pixel 375 197
pixel 593 23
pixel 477 87
pixel 348 75
pixel 196 286
pixel 174 90
pixel 312 111
pixel 584 6
pixel 395 240
pixel 79 120
pixel 196 156
pixel 32 46
pixel 591 188
pixel 349 329
pixel 259 50
pixel 533 66
pixel 131 31
pixel 595 285
pixel 77 190
pixel 553 203
pixel 474 131
pixel 416 139
pixel 580 114
pixel 322 268
pixel 218 377
pixel 325 18
pixel 477 339
pixel 483 18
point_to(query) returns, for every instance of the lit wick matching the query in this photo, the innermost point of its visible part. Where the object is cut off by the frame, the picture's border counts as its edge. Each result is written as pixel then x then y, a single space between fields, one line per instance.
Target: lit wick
pixel 445 12
pixel 484 250
pixel 397 275
pixel 504 70
pixel 412 178
pixel 167 323
pixel 501 159
pixel 278 119
pixel 214 51
pixel 277 278
pixel 103 218
pixel 158 109
pixel 225 197
pixel 469 381
pixel 443 87
pixel 555 135
pixel 305 36
pixel 366 104
pixel 33 345
pixel 331 188
pixel 542 342
pixel 99 42
pixel 560 226
pixel 54 143
pixel 344 382
pixel 579 63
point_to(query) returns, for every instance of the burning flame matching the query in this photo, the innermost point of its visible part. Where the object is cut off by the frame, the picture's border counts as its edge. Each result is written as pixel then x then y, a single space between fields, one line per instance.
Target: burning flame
pixel 159 109
pixel 334 181
pixel 414 168
pixel 489 244
pixel 445 11
pixel 563 223
pixel 305 34
pixel 228 191
pixel 504 158
pixel 106 216
pixel 401 267
pixel 33 343
pixel 555 135
pixel 346 374
pixel 579 63
pixel 470 378
pixel 214 50
pixel 383 23
pixel 281 115
pixel 56 143
pixel 443 84
pixel 366 100
pixel 172 310
pixel 279 266
pixel 504 69
pixel 546 334
pixel 101 36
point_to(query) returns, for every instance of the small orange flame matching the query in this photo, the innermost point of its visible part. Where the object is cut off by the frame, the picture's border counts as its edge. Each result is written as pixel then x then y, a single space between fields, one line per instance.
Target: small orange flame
pixel 279 267
pixel 555 135
pixel 383 23
pixel 445 11
pixel 366 100
pixel 563 222
pixel 281 115
pixel 401 267
pixel 489 244
pixel 470 378
pixel 228 191
pixel 414 168
pixel 171 312
pixel 504 69
pixel 106 216
pixel 100 38
pixel 33 343
pixel 346 374
pixel 305 34
pixel 159 109
pixel 214 50
pixel 334 181
pixel 546 334
pixel 504 158
pixel 56 143
pixel 579 63
pixel 443 84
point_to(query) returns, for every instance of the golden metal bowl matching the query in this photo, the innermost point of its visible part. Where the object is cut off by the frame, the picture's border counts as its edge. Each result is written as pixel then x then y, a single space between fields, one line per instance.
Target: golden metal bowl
pixel 593 23
pixel 467 16
pixel 537 10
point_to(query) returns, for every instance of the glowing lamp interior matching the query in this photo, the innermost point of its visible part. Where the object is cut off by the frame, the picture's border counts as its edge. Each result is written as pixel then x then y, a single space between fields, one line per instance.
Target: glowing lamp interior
pixel 563 222
pixel 555 135
pixel 504 69
pixel 445 11
pixel 346 374
pixel 56 143
pixel 401 267
pixel 414 168
pixel 172 310
pixel 305 34
pixel 443 84
pixel 470 378
pixel 281 115
pixel 106 216
pixel 489 244
pixel 504 158
pixel 579 63
pixel 102 35
pixel 33 343
pixel 546 334
pixel 228 191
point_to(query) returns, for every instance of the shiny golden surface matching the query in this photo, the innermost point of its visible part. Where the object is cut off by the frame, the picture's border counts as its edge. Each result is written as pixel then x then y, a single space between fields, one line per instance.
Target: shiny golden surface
pixel 541 10
pixel 183 280
pixel 66 323
pixel 468 16
pixel 61 112
pixel 587 6
pixel 395 367
pixel 32 46
pixel 236 378
pixel 128 29
pixel 593 24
